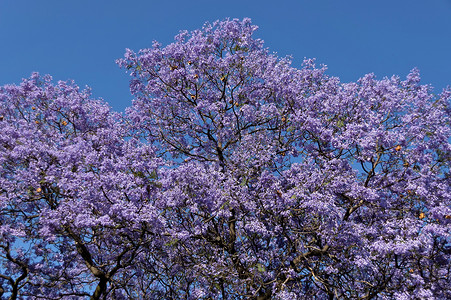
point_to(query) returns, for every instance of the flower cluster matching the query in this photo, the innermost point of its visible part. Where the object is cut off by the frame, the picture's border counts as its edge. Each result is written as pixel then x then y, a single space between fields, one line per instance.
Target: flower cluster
pixel 233 175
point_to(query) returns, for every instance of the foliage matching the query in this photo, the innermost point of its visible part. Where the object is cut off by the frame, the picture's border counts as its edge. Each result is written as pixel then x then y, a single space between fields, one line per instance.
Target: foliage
pixel 233 175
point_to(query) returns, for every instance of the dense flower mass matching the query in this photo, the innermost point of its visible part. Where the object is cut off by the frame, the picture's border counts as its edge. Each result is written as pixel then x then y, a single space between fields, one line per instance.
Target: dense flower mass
pixel 232 176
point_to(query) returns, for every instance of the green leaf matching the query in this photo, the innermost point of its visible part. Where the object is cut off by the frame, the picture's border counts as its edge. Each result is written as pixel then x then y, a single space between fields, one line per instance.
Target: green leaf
pixel 224 204
pixel 261 268
pixel 153 175
pixel 172 243
pixel 139 174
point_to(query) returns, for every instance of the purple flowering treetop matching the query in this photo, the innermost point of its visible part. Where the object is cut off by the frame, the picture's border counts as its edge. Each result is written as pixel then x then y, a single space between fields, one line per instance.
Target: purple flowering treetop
pixel 75 208
pixel 232 176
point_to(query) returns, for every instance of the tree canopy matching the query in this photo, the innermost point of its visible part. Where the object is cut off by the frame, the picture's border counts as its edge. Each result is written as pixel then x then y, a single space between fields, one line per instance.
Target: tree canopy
pixel 232 175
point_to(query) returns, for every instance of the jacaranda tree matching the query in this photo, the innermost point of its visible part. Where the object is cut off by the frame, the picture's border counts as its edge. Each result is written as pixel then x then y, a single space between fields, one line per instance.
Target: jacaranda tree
pixel 233 175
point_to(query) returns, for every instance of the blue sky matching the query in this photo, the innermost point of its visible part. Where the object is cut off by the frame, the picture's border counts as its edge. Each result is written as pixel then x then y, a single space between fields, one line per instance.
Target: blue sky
pixel 81 39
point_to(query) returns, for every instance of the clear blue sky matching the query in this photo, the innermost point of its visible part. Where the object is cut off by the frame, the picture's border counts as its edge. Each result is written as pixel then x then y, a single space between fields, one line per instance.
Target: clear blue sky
pixel 81 39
